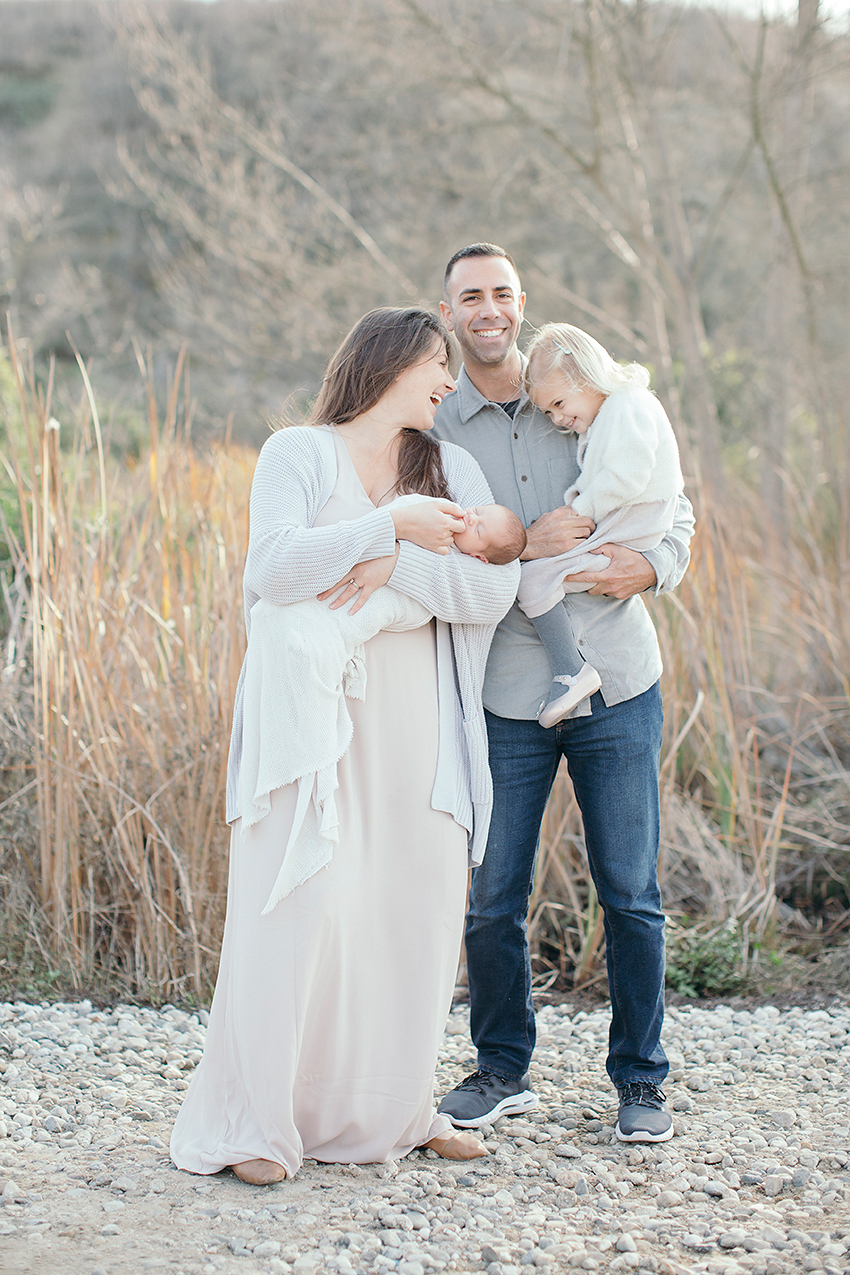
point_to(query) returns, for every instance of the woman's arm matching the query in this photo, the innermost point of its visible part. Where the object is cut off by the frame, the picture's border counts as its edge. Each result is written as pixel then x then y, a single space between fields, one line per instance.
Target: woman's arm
pixel 288 559
pixel 457 588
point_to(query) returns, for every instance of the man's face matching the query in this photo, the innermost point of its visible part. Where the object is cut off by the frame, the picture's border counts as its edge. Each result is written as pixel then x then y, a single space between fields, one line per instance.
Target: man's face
pixel 484 308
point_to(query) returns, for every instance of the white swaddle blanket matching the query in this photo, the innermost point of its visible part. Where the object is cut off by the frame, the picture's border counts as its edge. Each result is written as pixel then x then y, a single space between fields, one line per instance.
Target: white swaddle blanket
pixel 302 661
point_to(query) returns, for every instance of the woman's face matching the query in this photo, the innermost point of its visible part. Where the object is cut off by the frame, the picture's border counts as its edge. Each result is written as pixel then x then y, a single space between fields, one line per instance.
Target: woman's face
pixel 418 391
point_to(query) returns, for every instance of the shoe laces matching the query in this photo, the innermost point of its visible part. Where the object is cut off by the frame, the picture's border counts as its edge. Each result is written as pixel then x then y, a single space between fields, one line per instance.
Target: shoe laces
pixel 641 1093
pixel 480 1081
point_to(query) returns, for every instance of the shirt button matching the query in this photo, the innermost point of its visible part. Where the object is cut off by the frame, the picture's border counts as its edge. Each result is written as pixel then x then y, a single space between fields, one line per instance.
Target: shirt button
pixel 516 435
pixel 524 478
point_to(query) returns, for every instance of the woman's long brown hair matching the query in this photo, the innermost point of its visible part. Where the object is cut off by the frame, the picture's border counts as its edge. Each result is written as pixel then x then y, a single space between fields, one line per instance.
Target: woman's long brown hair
pixel 382 344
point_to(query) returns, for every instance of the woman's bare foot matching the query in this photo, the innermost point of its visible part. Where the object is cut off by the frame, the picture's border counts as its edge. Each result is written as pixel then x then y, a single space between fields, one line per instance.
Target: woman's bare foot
pixel 457 1146
pixel 259 1172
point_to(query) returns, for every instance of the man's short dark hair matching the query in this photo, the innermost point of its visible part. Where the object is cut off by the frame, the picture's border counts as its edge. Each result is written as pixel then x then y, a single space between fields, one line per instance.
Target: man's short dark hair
pixel 476 250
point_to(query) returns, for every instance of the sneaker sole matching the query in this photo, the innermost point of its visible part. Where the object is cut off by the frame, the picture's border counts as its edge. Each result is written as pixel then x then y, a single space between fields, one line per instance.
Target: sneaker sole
pixel 642 1135
pixel 513 1105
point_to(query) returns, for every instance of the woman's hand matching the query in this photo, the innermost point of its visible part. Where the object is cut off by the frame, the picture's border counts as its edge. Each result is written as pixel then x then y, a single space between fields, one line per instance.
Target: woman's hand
pixel 363 578
pixel 431 524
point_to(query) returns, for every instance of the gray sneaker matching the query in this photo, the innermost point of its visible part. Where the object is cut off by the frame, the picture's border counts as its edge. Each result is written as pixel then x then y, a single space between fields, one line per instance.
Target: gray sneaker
pixel 484 1096
pixel 643 1114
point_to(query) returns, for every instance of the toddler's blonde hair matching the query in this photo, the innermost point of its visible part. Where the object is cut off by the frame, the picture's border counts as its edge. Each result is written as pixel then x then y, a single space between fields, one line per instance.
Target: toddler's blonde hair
pixel 559 347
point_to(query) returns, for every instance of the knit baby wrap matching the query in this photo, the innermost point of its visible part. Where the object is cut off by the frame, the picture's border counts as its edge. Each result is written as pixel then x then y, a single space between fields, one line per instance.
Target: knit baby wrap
pixel 303 661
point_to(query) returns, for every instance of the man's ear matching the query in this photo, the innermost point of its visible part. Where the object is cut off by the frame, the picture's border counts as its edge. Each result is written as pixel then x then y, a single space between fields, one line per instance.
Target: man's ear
pixel 446 312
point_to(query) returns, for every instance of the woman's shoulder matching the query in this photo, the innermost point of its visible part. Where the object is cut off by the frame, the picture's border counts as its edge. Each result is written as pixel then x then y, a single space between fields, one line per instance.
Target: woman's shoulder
pixel 298 457
pixel 303 439
pixel 456 457
pixel 465 477
pixel 298 448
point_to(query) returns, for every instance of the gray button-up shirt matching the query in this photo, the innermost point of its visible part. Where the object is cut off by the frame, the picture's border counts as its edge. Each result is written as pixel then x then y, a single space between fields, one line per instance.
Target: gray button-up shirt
pixel 529 465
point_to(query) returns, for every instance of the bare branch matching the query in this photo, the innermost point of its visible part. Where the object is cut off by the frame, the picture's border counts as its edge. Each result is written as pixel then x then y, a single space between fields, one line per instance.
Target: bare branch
pixel 587 307
pixel 487 82
pixel 777 187
pixel 163 58
pixel 713 223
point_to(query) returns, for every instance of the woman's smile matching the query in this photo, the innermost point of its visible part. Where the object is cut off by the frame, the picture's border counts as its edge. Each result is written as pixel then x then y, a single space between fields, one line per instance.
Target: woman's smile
pixel 426 382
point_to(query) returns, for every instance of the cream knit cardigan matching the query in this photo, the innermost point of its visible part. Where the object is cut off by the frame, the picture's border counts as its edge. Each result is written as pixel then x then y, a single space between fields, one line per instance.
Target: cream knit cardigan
pixel 289 560
pixel 628 456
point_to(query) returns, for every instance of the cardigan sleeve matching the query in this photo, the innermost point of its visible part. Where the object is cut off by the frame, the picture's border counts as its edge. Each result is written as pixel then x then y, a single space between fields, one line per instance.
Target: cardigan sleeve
pixel 455 587
pixel 288 559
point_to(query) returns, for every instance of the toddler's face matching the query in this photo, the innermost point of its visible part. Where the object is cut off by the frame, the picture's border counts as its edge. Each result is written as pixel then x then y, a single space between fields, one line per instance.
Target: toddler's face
pixel 567 407
pixel 482 532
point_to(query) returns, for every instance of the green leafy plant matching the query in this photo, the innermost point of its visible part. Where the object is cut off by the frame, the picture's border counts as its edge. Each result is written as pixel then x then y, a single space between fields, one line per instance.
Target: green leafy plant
pixel 705 964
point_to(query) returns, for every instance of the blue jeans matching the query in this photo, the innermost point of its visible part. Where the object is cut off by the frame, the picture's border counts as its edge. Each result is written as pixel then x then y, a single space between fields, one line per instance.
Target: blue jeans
pixel 612 758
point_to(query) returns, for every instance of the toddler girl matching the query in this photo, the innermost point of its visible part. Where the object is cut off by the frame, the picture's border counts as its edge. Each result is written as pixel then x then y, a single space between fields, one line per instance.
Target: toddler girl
pixel 629 485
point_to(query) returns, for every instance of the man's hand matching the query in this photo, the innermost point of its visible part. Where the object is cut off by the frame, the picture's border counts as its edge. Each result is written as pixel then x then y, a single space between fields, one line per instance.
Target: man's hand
pixel 556 532
pixel 628 574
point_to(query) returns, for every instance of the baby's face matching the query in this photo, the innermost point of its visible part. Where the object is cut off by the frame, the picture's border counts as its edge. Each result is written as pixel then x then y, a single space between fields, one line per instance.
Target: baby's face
pixel 567 406
pixel 484 530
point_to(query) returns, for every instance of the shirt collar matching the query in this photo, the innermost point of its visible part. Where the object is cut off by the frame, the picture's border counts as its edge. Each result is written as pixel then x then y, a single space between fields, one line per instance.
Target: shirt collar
pixel 470 400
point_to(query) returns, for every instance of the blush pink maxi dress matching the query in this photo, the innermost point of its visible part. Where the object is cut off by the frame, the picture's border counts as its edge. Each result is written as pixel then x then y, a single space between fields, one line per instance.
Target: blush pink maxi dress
pixel 328 1012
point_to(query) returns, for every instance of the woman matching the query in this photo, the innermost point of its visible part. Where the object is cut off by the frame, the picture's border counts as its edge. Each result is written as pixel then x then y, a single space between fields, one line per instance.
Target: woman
pixel 330 1005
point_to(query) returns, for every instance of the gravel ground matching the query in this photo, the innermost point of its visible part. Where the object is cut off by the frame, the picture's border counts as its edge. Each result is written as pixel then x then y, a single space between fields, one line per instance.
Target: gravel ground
pixel 756 1180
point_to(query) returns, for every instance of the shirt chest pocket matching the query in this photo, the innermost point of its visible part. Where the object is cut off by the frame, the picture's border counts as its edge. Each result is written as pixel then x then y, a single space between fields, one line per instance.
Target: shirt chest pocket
pixel 561 475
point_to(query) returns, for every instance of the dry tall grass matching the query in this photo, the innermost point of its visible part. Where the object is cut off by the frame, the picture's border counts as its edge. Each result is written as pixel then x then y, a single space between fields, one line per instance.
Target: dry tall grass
pixel 755 789
pixel 123 644
pixel 129 642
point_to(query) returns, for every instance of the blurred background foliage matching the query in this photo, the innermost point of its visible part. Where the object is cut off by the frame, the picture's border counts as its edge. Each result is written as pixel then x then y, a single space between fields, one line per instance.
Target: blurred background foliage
pixel 196 201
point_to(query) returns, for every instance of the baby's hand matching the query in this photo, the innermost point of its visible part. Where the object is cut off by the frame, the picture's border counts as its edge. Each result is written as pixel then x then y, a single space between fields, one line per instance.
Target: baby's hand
pixel 432 524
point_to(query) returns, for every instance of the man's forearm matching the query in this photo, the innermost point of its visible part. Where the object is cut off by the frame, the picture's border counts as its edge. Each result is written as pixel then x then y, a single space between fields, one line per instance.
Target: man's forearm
pixel 670 559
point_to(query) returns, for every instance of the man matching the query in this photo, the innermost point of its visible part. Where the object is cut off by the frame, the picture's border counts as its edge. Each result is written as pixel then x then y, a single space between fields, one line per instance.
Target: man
pixel 611 742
